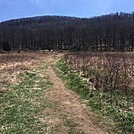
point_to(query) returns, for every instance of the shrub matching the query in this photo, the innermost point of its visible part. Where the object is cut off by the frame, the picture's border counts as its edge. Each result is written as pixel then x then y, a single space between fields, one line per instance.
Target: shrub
pixel 6 46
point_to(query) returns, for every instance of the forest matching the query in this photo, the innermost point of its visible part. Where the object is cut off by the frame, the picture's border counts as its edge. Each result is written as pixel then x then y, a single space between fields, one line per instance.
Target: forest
pixel 113 32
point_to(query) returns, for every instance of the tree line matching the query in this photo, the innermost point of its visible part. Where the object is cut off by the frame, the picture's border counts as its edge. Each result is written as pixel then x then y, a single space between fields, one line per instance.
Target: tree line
pixel 113 32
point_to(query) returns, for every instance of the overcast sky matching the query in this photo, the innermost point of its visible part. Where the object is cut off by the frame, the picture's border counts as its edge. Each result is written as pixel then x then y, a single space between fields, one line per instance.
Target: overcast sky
pixel 10 9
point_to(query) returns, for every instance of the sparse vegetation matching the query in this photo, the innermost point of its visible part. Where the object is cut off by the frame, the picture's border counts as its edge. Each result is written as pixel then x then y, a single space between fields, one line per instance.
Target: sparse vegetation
pixel 22 103
pixel 23 98
pixel 107 71
pixel 118 107
pixel 24 81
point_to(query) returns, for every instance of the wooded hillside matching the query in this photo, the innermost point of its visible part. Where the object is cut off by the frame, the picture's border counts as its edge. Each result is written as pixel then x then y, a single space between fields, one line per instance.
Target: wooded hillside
pixel 114 32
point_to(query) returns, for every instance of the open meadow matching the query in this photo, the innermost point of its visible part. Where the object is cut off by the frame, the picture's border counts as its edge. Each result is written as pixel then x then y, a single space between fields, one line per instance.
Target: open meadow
pixel 109 80
pixel 13 63
pixel 66 93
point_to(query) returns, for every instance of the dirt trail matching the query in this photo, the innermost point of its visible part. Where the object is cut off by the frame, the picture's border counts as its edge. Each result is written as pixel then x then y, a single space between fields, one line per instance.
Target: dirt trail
pixel 71 116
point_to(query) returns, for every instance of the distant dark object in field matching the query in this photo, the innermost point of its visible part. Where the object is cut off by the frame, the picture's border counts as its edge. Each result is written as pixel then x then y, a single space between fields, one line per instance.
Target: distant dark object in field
pixel 49 49
pixel 6 46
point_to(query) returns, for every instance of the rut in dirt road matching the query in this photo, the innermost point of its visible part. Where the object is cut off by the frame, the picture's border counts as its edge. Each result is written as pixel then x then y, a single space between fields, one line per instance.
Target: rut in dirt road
pixel 75 112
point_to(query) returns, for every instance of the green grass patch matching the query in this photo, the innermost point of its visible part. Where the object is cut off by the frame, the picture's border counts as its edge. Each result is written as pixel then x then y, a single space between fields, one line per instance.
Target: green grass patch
pixel 70 123
pixel 21 104
pixel 72 126
pixel 43 65
pixel 117 105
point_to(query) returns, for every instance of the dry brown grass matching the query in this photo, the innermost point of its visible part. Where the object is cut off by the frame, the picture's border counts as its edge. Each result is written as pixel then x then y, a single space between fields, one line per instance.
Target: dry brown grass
pixel 109 71
pixel 14 63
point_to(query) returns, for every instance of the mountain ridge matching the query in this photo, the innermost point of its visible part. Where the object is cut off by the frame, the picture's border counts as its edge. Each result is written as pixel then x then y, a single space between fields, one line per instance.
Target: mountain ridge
pixel 106 32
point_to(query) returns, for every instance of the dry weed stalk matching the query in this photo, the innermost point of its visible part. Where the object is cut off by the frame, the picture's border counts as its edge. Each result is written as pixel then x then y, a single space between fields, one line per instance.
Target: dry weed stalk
pixel 108 71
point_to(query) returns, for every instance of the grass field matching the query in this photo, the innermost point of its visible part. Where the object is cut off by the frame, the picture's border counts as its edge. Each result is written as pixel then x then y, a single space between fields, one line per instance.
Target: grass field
pixel 115 102
pixel 33 98
pixel 22 91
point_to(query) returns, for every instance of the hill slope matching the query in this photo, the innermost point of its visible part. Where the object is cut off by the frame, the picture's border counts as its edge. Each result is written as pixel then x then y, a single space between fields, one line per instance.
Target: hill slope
pixel 107 32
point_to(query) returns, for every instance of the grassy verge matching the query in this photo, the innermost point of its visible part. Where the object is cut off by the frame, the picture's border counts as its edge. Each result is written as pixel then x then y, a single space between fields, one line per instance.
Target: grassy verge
pixel 119 107
pixel 21 105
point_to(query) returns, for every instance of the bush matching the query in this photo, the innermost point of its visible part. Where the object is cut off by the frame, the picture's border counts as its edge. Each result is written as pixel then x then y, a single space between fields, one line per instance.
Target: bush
pixel 6 46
